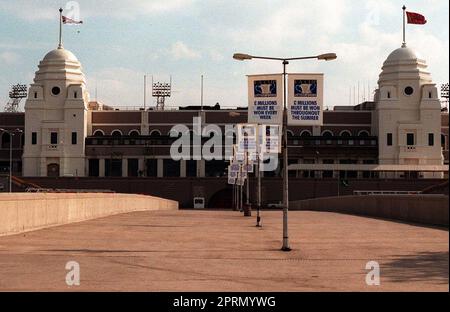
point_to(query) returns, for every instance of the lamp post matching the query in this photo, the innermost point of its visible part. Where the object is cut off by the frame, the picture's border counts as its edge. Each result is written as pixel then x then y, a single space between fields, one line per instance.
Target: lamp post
pixel 285 62
pixel 11 134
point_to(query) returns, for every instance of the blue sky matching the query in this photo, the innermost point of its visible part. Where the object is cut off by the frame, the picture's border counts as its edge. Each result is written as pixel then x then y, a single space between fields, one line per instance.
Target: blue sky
pixel 120 41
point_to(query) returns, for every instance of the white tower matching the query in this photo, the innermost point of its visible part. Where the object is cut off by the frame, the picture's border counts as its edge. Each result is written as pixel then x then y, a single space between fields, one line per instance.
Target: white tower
pixel 56 118
pixel 408 116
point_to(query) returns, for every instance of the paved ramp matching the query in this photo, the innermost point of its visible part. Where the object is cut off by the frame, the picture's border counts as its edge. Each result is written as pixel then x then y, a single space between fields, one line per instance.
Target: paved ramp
pixel 223 251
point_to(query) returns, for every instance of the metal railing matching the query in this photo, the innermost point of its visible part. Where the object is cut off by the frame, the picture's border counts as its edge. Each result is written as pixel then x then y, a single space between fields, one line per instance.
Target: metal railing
pixel 361 193
pixel 50 190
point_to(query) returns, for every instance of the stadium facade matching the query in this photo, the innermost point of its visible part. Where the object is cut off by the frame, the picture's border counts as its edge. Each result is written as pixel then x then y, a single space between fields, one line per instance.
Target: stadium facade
pixel 402 134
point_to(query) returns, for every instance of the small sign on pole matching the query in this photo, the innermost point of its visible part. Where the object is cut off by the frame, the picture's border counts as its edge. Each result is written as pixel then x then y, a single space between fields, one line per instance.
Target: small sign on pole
pixel 271 139
pixel 247 138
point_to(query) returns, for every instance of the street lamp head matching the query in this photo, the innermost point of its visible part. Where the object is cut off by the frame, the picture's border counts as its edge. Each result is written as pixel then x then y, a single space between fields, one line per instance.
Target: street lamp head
pixel 242 57
pixel 327 57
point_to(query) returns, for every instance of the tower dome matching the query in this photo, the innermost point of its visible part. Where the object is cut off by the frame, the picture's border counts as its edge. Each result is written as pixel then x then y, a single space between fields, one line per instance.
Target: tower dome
pixel 60 64
pixel 401 55
pixel 60 54
pixel 404 63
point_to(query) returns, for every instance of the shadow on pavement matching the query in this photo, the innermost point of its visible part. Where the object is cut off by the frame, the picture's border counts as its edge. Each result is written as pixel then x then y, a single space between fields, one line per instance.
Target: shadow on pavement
pixel 425 266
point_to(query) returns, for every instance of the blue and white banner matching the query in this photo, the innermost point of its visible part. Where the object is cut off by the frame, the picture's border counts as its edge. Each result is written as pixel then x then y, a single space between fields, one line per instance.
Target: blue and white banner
pixel 247 138
pixel 265 99
pixel 271 139
pixel 305 99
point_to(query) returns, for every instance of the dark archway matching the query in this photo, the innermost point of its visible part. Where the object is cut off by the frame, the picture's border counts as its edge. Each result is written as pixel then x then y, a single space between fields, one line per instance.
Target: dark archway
pixel 223 199
pixel 53 170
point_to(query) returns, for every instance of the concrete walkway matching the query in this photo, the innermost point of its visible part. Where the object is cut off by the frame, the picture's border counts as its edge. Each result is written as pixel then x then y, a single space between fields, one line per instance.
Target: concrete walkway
pixel 223 251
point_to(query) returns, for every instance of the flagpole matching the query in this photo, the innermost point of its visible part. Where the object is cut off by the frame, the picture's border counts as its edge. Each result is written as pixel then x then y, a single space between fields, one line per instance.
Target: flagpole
pixel 404 27
pixel 60 46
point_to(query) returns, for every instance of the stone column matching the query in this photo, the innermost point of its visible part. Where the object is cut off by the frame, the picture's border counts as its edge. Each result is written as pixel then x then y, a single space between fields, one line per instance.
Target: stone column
pixel 101 169
pixel 201 168
pixel 182 168
pixel 141 165
pixel 125 167
pixel 160 168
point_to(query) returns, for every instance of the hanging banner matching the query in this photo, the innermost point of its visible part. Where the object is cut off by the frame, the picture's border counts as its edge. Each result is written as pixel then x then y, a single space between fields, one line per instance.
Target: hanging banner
pixel 247 135
pixel 305 99
pixel 271 139
pixel 234 167
pixel 265 99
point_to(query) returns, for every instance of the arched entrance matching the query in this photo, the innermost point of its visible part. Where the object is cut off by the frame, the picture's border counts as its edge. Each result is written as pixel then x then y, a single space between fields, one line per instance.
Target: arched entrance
pixel 223 199
pixel 53 170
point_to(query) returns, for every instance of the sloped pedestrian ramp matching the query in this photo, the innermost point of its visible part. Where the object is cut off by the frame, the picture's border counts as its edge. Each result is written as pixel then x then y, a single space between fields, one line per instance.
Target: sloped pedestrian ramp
pixel 23 212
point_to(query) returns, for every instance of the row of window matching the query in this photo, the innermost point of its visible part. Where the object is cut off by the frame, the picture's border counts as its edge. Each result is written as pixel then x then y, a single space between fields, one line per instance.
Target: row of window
pixel 56 91
pixel 411 139
pixel 215 168
pixel 54 138
pixel 304 133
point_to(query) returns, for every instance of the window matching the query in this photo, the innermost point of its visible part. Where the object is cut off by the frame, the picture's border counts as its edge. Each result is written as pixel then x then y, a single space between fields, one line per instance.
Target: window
pixel 133 167
pixel 75 95
pixel 309 174
pixel 327 134
pixel 171 168
pixel 389 139
pixel 54 138
pixel 430 95
pixel 35 95
pixel 216 168
pixel 430 139
pixel 56 90
pixel 443 142
pixel 6 140
pixel 98 133
pixel 152 167
pixel 389 95
pixel 74 138
pixel 409 91
pixel 33 138
pixel 113 167
pixel 410 141
pixel 305 133
pixel 94 167
pixel 134 133
pixel 328 174
pixel 191 168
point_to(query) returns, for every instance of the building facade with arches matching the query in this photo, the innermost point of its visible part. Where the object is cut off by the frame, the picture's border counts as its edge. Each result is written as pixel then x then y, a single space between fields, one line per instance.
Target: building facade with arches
pixel 68 135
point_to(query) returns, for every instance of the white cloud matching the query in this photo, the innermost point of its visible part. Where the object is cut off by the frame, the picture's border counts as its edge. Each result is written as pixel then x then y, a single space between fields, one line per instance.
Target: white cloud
pixel 180 50
pixel 292 22
pixel 9 58
pixel 216 56
pixel 130 9
pixel 116 86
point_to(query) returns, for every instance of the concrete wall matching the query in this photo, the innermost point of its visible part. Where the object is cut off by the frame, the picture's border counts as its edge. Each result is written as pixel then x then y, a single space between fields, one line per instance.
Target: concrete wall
pixel 425 209
pixel 183 190
pixel 22 212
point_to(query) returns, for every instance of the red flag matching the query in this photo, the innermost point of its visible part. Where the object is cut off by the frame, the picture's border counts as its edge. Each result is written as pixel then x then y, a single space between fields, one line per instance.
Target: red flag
pixel 68 20
pixel 415 18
